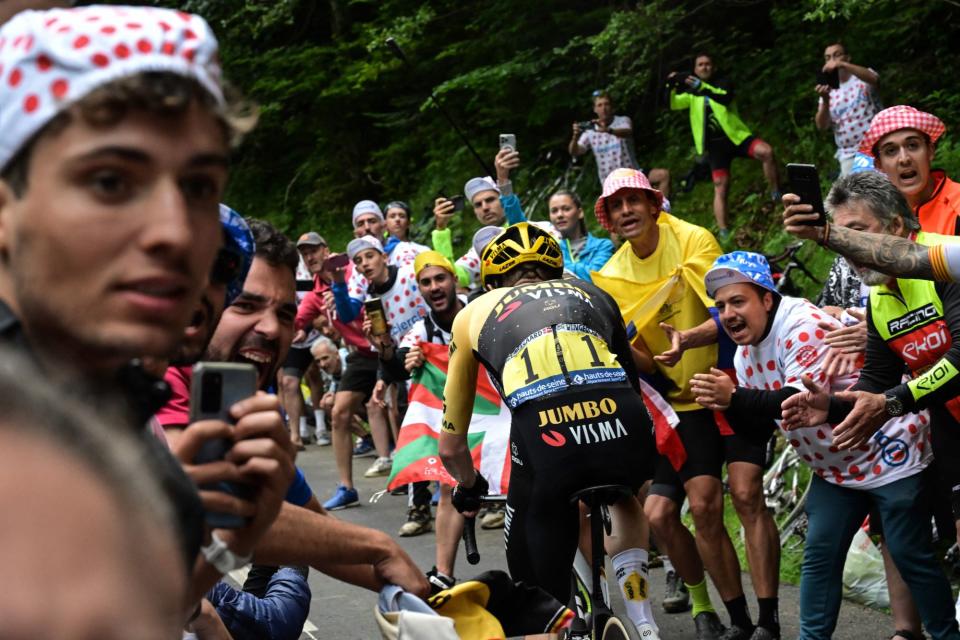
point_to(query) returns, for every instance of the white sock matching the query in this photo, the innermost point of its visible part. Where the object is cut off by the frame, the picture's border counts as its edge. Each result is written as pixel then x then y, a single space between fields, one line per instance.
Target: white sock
pixel 667 565
pixel 321 420
pixel 630 567
pixel 304 427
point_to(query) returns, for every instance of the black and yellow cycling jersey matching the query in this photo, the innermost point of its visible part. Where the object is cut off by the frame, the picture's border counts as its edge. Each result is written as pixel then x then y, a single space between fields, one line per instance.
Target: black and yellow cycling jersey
pixel 537 340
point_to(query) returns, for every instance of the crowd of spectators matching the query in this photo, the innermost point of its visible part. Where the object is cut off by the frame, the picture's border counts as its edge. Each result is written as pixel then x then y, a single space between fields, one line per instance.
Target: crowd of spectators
pixel 120 269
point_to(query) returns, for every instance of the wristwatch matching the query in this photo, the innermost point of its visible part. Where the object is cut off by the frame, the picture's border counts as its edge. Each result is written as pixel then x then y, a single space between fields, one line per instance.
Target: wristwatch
pixel 894 406
pixel 220 556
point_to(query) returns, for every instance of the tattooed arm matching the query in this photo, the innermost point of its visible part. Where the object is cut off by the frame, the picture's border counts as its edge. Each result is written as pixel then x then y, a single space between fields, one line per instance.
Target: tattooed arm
pixel 889 254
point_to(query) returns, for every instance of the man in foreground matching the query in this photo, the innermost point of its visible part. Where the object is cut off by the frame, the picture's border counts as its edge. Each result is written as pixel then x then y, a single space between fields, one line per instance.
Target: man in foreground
pixel 781 341
pixel 562 357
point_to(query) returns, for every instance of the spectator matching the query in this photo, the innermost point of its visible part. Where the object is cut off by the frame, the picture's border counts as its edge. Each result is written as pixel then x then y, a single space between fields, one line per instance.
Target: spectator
pixel 609 137
pixel 130 268
pixel 402 308
pixel 781 342
pixel 313 251
pixel 903 142
pixel 719 132
pixel 397 222
pixel 89 539
pixel 436 280
pixel 665 259
pixel 850 107
pixel 493 203
pixel 368 220
pixel 583 252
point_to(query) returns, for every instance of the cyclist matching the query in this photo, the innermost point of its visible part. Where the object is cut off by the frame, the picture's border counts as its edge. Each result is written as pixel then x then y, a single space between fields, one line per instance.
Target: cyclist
pixel 781 340
pixel 557 352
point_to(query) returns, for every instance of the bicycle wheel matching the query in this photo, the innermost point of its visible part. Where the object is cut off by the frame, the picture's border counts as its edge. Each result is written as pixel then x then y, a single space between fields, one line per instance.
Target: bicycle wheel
pixel 617 629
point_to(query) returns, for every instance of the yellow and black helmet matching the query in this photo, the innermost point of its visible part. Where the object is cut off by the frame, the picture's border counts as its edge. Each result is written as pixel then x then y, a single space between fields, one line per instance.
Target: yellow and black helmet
pixel 517 244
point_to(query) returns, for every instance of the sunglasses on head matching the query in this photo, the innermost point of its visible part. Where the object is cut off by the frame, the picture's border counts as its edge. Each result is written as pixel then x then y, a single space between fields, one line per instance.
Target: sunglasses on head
pixel 226 267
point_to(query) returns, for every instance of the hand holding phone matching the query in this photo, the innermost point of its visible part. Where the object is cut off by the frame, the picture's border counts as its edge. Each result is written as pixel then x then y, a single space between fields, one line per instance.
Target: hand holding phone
pixel 508 141
pixel 214 388
pixel 805 183
pixel 336 261
pixel 378 319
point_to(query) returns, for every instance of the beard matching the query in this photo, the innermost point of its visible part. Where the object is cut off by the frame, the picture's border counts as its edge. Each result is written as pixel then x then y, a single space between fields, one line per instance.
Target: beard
pixel 873 278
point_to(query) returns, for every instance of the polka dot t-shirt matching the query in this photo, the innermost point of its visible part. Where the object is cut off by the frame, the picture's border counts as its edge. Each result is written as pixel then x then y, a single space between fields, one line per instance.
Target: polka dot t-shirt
pixel 794 347
pixel 852 107
pixel 610 151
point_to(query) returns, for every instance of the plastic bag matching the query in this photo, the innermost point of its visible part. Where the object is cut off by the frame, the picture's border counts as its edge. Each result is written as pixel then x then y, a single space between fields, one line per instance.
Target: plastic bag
pixel 864 579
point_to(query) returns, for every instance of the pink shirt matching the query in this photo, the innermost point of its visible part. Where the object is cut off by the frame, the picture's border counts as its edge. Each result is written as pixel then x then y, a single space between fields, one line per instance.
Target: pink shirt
pixel 177 410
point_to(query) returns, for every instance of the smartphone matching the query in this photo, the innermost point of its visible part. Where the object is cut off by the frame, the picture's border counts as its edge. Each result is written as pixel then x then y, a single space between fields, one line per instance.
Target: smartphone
pixel 805 182
pixel 215 387
pixel 336 261
pixel 458 202
pixel 374 310
pixel 508 141
pixel 831 79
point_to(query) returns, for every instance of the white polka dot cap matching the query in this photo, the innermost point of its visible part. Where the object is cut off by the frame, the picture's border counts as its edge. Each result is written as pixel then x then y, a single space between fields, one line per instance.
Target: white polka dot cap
pixel 51 59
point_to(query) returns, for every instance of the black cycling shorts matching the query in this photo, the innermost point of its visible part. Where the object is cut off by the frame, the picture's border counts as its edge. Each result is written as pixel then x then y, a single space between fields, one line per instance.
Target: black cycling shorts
pixel 707 451
pixel 297 362
pixel 560 445
pixel 720 153
pixel 360 374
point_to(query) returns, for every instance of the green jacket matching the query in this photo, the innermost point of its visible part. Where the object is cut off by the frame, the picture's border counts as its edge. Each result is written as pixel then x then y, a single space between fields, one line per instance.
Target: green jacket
pixel 729 121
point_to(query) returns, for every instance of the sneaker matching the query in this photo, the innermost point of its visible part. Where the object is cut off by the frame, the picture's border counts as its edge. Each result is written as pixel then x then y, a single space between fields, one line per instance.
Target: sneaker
pixel 439 581
pixel 736 632
pixel 493 518
pixel 708 626
pixel 323 438
pixel 380 467
pixel 677 598
pixel 762 633
pixel 364 447
pixel 342 499
pixel 418 521
pixel 647 631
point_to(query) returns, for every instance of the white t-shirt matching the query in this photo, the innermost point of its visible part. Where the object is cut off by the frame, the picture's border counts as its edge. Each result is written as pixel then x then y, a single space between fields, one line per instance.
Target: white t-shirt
pixel 852 106
pixel 304 275
pixel 795 346
pixel 610 151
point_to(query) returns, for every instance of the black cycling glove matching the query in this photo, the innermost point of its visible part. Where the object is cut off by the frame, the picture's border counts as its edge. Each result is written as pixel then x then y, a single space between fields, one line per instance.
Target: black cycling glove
pixel 470 499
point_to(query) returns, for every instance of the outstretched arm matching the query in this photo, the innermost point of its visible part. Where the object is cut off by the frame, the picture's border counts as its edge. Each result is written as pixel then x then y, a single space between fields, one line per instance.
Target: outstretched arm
pixel 892 255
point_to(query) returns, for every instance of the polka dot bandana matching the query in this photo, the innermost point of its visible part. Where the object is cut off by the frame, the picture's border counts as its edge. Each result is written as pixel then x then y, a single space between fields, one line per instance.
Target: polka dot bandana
pixel 897 118
pixel 739 266
pixel 51 59
pixel 622 179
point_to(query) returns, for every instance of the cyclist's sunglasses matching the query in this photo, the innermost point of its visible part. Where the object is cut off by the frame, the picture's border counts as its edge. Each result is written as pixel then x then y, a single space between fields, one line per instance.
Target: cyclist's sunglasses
pixel 227 266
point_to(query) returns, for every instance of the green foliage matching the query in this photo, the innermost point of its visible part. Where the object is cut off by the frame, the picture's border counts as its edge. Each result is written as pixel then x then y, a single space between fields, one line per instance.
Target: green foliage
pixel 343 119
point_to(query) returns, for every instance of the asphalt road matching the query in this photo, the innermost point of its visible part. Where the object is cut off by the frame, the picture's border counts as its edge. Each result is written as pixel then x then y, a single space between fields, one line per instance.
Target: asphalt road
pixel 344 612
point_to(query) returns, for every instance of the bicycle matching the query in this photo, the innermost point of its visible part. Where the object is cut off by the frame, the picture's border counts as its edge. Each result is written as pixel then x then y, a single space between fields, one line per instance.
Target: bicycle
pixel 785 488
pixel 781 266
pixel 600 622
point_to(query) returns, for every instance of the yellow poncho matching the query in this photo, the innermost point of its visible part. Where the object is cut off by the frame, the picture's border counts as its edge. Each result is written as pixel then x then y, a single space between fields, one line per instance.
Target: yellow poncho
pixel 667 286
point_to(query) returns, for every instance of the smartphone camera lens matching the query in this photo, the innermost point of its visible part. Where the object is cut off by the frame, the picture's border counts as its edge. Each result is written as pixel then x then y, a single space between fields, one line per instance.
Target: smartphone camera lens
pixel 211 390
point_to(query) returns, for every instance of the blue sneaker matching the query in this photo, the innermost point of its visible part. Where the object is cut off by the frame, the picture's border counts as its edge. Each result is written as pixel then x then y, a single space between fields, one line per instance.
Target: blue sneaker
pixel 342 499
pixel 364 447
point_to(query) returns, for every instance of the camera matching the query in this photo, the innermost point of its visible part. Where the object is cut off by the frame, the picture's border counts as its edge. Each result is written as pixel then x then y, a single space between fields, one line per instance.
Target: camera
pixel 587 125
pixel 677 82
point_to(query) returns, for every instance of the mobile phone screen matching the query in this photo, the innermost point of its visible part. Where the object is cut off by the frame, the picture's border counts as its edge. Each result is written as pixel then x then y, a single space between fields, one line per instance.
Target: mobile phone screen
pixel 805 182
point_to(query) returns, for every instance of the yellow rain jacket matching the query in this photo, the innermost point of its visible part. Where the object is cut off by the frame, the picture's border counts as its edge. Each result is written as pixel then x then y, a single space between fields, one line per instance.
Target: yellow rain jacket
pixel 667 286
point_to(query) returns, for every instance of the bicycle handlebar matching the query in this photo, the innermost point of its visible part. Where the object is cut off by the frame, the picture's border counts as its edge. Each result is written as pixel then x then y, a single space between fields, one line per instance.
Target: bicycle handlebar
pixel 470 530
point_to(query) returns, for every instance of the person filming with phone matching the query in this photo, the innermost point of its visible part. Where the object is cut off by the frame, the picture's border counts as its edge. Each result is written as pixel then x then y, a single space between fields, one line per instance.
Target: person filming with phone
pixel 848 102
